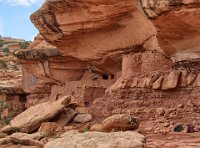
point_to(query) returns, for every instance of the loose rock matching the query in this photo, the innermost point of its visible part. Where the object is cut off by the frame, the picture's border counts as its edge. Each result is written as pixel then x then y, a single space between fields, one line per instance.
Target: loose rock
pixel 66 117
pixel 26 139
pixel 48 128
pixel 120 122
pixel 83 118
pixel 96 127
pixel 171 81
pixel 32 118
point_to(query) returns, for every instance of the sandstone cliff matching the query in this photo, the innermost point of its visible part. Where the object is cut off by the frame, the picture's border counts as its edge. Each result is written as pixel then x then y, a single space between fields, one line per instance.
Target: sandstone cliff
pixel 134 57
pixel 12 96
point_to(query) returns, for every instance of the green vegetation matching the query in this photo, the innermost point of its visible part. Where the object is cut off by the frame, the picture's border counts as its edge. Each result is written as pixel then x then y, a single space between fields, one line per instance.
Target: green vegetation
pixel 24 45
pixel 85 130
pixel 3 65
pixel 5 50
pixel 3 107
pixel 15 67
pixel 2 43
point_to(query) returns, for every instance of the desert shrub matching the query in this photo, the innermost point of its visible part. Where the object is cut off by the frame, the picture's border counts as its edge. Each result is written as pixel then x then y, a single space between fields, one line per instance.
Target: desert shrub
pixel 1 43
pixel 5 50
pixel 24 45
pixel 85 130
pixel 15 67
pixel 1 105
pixel 9 117
pixel 3 65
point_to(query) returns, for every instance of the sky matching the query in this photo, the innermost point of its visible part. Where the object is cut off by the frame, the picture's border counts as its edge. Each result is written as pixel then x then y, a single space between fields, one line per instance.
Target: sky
pixel 14 18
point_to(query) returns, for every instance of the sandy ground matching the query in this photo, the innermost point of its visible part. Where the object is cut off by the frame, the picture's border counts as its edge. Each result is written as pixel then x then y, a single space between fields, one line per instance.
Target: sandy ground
pixel 174 140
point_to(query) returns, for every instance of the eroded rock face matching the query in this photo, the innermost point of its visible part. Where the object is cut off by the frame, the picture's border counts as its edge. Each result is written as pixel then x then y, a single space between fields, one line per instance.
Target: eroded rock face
pixel 117 57
pixel 12 96
pixel 177 25
pixel 95 31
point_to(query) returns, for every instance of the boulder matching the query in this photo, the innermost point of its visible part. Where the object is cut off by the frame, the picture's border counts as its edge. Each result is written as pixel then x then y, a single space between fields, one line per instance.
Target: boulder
pixel 96 127
pixel 197 81
pixel 157 83
pixel 191 78
pixel 82 110
pixel 120 122
pixel 66 117
pixel 48 128
pixel 73 139
pixel 184 78
pixel 27 139
pixel 4 141
pixel 33 117
pixel 134 82
pixel 81 127
pixel 83 118
pixel 144 82
pixel 171 81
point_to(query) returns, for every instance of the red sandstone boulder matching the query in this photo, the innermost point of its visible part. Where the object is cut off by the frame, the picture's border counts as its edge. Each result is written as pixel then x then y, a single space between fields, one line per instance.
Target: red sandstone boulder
pixel 83 118
pixel 120 122
pixel 33 117
pixel 171 81
pixel 65 117
pixel 27 139
pixel 96 127
pixel 48 129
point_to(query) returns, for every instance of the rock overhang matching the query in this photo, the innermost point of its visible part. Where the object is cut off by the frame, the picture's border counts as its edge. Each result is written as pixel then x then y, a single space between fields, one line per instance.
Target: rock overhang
pixel 100 32
pixel 95 31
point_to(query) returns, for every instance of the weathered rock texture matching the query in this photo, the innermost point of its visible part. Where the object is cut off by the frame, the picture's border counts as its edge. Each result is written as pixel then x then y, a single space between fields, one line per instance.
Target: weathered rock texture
pixel 98 140
pixel 97 32
pixel 120 56
pixel 12 96
pixel 34 116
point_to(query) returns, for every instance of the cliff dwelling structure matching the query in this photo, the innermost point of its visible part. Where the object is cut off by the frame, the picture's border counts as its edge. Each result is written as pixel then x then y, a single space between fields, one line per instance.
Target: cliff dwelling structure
pixel 133 57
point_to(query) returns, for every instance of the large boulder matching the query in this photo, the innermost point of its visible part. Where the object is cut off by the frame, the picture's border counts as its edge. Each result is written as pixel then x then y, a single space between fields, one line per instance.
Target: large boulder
pixel 74 139
pixel 48 128
pixel 65 117
pixel 171 81
pixel 120 122
pixel 4 141
pixel 27 139
pixel 33 117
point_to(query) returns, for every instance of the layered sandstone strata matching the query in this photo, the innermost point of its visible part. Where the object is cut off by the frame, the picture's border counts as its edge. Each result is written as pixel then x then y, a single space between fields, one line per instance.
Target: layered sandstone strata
pixel 12 96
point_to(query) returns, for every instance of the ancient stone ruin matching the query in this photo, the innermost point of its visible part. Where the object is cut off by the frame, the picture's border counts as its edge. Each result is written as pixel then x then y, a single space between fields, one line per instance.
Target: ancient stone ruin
pixel 132 57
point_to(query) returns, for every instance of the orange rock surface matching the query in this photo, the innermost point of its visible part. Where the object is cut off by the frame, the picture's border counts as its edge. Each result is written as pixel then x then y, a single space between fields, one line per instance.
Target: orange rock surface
pixel 118 56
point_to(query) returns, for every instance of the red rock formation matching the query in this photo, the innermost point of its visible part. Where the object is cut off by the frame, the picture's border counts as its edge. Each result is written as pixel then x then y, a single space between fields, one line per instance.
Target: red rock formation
pixel 12 96
pixel 150 48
